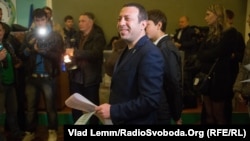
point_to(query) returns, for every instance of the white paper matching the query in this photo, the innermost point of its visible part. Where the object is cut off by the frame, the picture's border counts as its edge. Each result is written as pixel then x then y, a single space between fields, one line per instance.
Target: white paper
pixel 247 67
pixel 196 81
pixel 84 118
pixel 244 81
pixel 79 102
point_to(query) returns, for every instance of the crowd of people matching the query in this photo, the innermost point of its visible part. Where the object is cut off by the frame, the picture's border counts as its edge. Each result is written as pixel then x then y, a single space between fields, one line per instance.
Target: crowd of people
pixel 148 81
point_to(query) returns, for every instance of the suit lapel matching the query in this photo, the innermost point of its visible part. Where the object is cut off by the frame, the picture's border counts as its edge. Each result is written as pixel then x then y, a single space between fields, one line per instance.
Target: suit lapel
pixel 124 59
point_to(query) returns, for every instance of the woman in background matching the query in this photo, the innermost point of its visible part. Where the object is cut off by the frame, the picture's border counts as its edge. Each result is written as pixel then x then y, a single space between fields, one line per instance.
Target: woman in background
pixel 218 44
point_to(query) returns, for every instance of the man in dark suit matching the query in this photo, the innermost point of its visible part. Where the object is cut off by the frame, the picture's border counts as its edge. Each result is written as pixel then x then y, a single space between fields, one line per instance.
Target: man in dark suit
pixel 171 107
pixel 138 75
pixel 185 40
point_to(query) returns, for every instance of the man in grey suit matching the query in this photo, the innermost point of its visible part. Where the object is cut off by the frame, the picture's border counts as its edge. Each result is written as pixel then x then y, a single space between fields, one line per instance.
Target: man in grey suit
pixel 138 75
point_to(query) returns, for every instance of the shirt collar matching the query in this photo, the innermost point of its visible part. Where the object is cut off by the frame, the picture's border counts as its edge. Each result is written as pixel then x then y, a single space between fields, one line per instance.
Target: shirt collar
pixel 156 42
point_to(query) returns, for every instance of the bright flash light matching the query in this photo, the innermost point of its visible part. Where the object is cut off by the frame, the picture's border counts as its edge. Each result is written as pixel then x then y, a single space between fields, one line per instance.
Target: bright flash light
pixel 42 31
pixel 66 59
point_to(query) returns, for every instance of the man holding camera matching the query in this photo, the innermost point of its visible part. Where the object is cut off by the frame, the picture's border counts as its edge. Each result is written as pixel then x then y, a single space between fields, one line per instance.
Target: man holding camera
pixel 42 50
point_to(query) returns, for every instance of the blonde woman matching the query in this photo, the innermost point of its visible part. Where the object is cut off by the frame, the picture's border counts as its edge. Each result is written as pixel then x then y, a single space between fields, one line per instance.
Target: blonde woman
pixel 219 43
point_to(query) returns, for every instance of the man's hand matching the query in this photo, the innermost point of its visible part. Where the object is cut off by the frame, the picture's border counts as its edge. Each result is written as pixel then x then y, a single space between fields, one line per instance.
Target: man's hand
pixel 32 41
pixel 240 98
pixel 103 110
pixel 178 122
pixel 69 51
pixel 178 45
pixel 39 49
pixel 36 47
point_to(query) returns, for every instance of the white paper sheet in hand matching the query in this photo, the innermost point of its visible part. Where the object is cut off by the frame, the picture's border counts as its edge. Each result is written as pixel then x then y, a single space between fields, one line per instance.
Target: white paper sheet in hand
pixel 77 101
pixel 84 118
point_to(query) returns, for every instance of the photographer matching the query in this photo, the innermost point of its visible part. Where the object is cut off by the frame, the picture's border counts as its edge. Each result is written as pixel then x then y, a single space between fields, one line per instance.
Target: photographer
pixel 42 50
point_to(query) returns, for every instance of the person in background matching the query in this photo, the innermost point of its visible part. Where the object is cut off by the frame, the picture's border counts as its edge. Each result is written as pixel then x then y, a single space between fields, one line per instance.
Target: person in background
pixel 218 45
pixel 42 49
pixel 8 96
pixel 8 29
pixel 118 45
pixel 87 56
pixel 55 26
pixel 243 75
pixel 185 40
pixel 137 79
pixel 237 57
pixel 69 31
pixel 172 97
pixel 111 42
pixel 15 40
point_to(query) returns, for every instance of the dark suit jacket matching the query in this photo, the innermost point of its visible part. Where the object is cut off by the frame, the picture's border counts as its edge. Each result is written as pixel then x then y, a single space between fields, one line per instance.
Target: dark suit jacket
pixel 187 41
pixel 136 85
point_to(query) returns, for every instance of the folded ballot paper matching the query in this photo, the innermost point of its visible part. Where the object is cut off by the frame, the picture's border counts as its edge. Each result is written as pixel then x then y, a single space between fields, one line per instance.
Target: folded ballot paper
pixel 248 68
pixel 79 102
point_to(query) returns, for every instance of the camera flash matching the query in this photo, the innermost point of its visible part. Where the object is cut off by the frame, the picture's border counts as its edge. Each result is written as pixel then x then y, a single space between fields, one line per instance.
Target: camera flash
pixel 42 31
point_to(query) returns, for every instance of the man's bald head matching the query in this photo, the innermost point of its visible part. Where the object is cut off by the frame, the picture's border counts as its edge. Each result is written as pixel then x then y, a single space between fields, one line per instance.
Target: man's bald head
pixel 183 22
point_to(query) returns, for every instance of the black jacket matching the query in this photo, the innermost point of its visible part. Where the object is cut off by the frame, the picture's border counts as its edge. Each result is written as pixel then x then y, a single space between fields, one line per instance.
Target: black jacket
pixel 89 58
pixel 222 78
pixel 51 50
pixel 188 41
pixel 172 80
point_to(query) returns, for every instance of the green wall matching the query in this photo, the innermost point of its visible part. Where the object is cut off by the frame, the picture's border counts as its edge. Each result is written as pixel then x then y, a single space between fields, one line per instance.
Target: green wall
pixel 23 10
pixel 106 11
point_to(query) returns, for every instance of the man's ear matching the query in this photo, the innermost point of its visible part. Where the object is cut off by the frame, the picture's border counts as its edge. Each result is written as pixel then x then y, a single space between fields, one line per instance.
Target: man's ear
pixel 144 24
pixel 159 25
